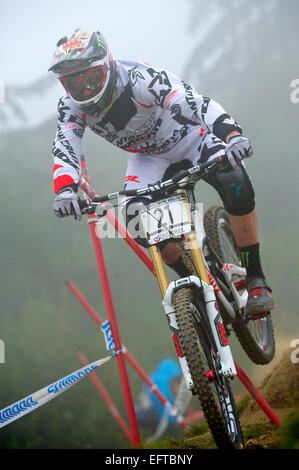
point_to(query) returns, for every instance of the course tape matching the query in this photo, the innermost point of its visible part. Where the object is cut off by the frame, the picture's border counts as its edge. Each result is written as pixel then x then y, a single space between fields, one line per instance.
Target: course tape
pixel 41 397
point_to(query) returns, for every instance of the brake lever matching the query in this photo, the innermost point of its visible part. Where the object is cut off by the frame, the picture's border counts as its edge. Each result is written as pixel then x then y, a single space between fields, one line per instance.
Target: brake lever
pixel 86 207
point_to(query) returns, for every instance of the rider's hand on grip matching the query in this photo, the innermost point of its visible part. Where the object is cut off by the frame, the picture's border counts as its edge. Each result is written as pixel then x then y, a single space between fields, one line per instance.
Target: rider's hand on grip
pixel 85 206
pixel 238 147
pixel 66 203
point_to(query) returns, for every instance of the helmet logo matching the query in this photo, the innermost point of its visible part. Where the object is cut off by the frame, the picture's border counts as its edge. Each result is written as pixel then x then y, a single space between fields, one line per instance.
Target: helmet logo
pixel 73 43
pixel 101 43
pixel 77 41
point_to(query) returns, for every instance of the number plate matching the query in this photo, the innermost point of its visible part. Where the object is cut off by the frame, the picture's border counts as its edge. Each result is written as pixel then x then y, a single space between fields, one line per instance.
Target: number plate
pixel 166 219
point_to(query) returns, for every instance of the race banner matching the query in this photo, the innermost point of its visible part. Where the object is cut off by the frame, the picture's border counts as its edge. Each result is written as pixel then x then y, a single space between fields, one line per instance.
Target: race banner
pixel 43 396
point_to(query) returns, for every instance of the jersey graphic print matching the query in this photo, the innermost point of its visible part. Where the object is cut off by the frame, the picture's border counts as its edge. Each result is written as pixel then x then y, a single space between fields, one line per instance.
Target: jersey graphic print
pixel 152 112
pixel 160 86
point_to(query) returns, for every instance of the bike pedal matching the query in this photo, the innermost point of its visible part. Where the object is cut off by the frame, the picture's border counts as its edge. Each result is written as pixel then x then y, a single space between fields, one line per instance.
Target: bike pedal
pixel 259 316
pixel 241 285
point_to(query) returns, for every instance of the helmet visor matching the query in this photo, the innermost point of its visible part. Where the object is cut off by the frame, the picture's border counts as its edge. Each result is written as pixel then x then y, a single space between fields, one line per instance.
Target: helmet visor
pixel 85 85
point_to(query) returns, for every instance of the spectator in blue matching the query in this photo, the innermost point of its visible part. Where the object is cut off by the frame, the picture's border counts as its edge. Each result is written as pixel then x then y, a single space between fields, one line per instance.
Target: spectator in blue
pixel 149 409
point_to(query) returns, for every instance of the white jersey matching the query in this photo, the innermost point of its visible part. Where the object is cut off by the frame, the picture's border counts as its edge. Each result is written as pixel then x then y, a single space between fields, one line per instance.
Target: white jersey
pixel 152 112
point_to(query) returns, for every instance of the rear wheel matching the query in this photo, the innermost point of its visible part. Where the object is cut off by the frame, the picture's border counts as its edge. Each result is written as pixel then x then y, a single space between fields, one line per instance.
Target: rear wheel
pixel 212 389
pixel 255 336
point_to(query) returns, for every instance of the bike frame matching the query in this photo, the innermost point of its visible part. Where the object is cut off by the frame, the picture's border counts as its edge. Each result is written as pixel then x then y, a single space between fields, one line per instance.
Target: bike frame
pixel 89 205
pixel 204 279
pixel 205 282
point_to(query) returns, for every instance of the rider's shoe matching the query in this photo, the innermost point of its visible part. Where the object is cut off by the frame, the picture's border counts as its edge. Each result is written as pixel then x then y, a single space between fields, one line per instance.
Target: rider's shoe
pixel 260 298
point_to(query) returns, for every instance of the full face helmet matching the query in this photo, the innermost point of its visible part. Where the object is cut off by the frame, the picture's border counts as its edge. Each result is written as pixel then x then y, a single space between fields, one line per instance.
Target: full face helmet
pixel 85 68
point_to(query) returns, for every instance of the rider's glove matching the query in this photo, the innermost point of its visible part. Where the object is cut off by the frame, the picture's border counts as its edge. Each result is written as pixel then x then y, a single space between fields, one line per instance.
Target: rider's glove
pixel 66 203
pixel 238 147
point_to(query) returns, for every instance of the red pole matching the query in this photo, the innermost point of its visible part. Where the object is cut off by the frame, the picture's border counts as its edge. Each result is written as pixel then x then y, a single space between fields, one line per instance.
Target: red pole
pixel 192 418
pixel 100 387
pixel 130 241
pixel 86 305
pixel 149 383
pixel 96 317
pixel 257 396
pixel 114 328
pixel 145 258
pixel 115 333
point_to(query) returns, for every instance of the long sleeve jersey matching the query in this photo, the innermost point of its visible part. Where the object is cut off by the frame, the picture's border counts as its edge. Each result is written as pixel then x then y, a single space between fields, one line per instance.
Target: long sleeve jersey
pixel 152 111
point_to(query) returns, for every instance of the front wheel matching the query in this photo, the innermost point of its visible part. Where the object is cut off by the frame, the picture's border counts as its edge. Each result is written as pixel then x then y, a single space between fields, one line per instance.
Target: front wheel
pixel 212 389
pixel 255 336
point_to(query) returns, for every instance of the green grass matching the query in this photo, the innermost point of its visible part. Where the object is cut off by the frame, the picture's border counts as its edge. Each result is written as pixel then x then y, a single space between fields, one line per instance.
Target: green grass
pixel 243 404
pixel 196 436
pixel 252 431
pixel 290 431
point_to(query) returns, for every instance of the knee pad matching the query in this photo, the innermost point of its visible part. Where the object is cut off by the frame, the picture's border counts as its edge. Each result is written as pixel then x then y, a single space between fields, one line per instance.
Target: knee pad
pixel 235 189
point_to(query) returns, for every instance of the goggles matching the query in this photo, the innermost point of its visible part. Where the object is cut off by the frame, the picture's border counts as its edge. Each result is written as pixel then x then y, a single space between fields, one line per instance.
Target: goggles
pixel 85 85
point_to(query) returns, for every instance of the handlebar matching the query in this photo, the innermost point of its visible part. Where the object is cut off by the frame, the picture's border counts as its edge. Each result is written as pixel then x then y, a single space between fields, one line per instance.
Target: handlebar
pixel 201 170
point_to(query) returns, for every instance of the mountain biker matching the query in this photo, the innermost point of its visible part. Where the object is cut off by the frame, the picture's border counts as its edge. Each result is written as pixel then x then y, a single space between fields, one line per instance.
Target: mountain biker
pixel 166 126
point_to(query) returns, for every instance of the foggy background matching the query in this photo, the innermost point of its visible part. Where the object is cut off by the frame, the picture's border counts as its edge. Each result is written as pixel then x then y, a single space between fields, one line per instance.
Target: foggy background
pixel 133 28
pixel 242 53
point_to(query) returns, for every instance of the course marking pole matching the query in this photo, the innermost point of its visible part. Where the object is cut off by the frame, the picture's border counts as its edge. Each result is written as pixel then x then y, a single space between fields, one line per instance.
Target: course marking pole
pixel 258 397
pixel 84 184
pixel 106 397
pixel 99 321
pixel 113 323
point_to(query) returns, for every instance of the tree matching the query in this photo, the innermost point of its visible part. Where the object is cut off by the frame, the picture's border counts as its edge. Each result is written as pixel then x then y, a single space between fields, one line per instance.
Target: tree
pixel 245 56
pixel 236 35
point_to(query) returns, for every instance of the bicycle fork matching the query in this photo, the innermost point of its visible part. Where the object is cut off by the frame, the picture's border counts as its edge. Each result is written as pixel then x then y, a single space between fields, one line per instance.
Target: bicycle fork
pixel 225 359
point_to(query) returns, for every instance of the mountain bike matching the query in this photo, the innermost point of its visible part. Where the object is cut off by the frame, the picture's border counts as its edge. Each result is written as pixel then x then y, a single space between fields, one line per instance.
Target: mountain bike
pixel 200 307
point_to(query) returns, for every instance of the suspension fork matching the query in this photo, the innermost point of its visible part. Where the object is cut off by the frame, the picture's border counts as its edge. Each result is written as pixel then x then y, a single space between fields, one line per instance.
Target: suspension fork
pixel 227 363
pixel 196 256
pixel 215 320
pixel 159 268
pixel 166 292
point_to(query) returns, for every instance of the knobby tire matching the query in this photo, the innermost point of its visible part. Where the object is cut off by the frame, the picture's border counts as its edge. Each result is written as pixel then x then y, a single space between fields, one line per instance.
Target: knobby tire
pixel 255 336
pixel 196 347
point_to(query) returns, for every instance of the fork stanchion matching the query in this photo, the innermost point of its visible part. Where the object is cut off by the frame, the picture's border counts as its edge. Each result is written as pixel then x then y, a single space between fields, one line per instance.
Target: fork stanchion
pixel 106 397
pixel 258 397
